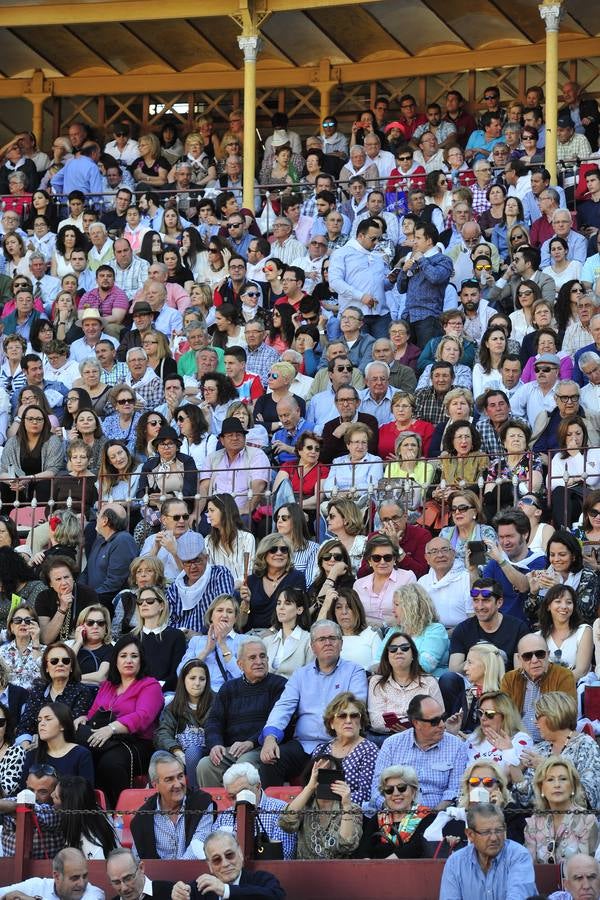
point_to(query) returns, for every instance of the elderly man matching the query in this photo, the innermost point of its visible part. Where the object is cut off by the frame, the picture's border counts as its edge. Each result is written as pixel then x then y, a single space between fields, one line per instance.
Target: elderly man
pixel 429 402
pixel 570 146
pixel 359 164
pixel 383 159
pixel 376 398
pixel 584 112
pixel 285 246
pixel 429 154
pixel 177 298
pixel 568 403
pixel 293 424
pixel 245 777
pixel 111 302
pixel 228 878
pixel 429 272
pixel 260 357
pixel 92 327
pixel 358 342
pixel 143 379
pixel 589 366
pixel 183 817
pixel 402 378
pixel 593 346
pixel 439 758
pixel 236 468
pixel 112 553
pixel 538 396
pixel 347 402
pixel 101 252
pixel 448 585
pixel 174 518
pixel 411 539
pixel 358 276
pixel 319 408
pixel 549 202
pixel 197 585
pixel 166 319
pixel 581 879
pixel 534 676
pixel 306 695
pixel 563 227
pixel 45 287
pixel 491 865
pixel 463 252
pixel 239 713
pixel 128 876
pixel 23 316
pixel 69 881
pixel 130 271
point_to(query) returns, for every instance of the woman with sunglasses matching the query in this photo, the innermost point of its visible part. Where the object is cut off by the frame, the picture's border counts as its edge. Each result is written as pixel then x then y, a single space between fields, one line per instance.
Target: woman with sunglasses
pixel 59 682
pixel 23 650
pixel 400 679
pixel 569 640
pixel 535 510
pixel 559 827
pixel 565 308
pixel 500 737
pixel 274 290
pixel 57 746
pixel 561 269
pixel 306 474
pixel 272 573
pixel 92 644
pixel 288 645
pixel 556 719
pixel 211 267
pixel 345 521
pixel 334 573
pixel 377 590
pixel 145 571
pixel 467 517
pixel 163 645
pixel 121 425
pixel 527 293
pixel 290 521
pixel 396 832
pixel 436 191
pixel 229 543
pixel 148 426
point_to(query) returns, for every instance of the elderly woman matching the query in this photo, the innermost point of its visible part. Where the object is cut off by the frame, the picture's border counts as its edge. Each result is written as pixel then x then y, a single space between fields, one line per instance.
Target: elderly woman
pixel 400 679
pixel 556 718
pixel 346 720
pixel 461 463
pixel 516 466
pixel 403 407
pixel 466 516
pixel 449 350
pixel 218 648
pixel 415 473
pixel 169 473
pixel 145 571
pixel 273 572
pixel 355 472
pixel 568 830
pixel 333 828
pixel 377 590
pixel 150 169
pixel 396 832
pixel 458 405
pixel 91 373
pixel 23 650
pixel 121 425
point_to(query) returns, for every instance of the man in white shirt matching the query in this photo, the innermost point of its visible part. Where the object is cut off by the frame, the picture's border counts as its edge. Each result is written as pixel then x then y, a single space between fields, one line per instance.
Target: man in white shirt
pixel 589 364
pixel 174 519
pixel 69 881
pixel 448 586
pixel 91 324
pixel 535 396
pixel 518 178
pixel 123 148
pixel 46 287
pixel 383 159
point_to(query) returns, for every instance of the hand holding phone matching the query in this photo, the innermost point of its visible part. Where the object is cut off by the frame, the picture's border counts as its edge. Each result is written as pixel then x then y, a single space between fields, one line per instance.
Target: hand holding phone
pixel 477 551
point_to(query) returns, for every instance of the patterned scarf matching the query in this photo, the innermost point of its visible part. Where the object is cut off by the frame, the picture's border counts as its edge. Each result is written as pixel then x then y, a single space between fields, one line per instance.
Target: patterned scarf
pixel 400 832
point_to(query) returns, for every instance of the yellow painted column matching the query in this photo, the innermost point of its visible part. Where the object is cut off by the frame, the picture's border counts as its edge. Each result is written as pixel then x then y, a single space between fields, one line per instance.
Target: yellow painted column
pixel 250 45
pixel 37 114
pixel 551 12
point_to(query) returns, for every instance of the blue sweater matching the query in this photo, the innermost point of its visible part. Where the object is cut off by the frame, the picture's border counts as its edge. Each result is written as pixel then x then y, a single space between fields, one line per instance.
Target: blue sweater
pixel 427 286
pixel 240 710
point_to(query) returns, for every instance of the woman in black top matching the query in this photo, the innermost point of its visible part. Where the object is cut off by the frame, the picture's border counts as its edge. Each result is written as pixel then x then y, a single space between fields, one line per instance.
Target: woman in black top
pixel 92 644
pixel 164 646
pixel 273 573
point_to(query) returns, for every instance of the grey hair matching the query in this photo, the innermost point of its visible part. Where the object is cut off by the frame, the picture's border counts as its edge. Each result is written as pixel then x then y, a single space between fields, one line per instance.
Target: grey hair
pixel 161 757
pixel 120 851
pixel 233 158
pixel 160 266
pixel 325 623
pixel 197 325
pixel 406 773
pixel 99 225
pixel 136 350
pixel 36 255
pixel 588 358
pixel 358 149
pixel 67 145
pixel 58 863
pixel 283 220
pixel 182 164
pixel 249 639
pixel 377 362
pixel 241 770
pixel 90 361
pixel 383 340
pixel 479 164
pixel 292 356
pixel 485 810
pixel 219 835
pixel 17 176
pixel 562 211
pixel 553 194
pixel 568 382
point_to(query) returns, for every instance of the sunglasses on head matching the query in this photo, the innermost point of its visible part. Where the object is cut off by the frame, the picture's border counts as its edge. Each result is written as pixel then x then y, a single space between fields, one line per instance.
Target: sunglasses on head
pixel 529 654
pixel 486 593
pixel 43 770
pixel 529 501
pixel 487 781
pixel 400 788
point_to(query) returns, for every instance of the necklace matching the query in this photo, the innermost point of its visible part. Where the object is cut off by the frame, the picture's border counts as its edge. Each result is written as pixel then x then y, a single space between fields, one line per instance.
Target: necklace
pixel 272 580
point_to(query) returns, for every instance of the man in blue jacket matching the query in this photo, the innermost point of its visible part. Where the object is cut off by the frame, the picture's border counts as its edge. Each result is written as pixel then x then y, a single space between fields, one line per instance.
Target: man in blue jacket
pixel 112 553
pixel 428 271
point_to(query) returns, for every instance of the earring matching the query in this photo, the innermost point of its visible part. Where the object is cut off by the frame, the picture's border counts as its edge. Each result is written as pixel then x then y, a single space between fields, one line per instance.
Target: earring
pixel 542 796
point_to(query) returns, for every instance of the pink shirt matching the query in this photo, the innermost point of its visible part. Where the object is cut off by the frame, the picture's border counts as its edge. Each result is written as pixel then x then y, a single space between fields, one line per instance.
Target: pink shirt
pixel 379 607
pixel 138 707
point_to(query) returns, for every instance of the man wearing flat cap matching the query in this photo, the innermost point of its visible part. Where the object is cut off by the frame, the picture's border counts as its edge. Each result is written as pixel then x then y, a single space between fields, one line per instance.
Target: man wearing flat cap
pixel 236 469
pixel 196 586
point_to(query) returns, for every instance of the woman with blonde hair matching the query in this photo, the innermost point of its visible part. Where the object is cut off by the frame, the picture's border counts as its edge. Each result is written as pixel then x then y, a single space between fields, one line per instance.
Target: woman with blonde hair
pixel 92 643
pixel 164 645
pixel 345 521
pixel 416 473
pixel 414 613
pixel 273 572
pixel 500 736
pixel 144 571
pixel 559 828
pixel 150 169
pixel 218 648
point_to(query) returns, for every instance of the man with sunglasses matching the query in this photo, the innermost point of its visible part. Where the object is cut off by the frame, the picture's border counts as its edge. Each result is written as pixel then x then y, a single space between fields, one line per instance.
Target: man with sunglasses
pixel 41 781
pixel 123 148
pixel 175 522
pixel 439 758
pixel 347 402
pixel 491 865
pixel 568 403
pixel 340 370
pixel 536 397
pixel 535 675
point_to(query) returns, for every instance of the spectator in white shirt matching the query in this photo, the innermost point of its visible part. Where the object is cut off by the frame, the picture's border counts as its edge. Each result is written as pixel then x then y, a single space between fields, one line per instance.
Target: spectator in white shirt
pixel 69 881
pixel 589 364
pixel 535 396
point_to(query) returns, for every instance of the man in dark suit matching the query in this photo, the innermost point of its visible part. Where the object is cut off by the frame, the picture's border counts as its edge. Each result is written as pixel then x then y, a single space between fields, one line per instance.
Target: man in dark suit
pixel 129 878
pixel 228 878
pixel 347 402
pixel 150 841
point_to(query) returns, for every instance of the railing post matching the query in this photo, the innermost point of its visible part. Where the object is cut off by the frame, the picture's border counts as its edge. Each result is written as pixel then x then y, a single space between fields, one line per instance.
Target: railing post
pixel 245 812
pixel 23 840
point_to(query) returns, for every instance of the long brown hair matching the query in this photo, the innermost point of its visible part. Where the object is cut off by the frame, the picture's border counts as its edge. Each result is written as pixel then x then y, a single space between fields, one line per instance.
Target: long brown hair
pixel 385 668
pixel 231 522
pixel 180 706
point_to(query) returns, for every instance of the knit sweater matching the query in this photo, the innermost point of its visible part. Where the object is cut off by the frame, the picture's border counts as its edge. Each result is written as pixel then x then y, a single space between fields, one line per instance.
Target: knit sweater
pixel 240 710
pixel 557 678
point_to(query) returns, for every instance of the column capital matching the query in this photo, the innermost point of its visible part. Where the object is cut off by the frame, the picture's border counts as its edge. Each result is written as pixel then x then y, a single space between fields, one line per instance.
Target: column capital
pixel 250 45
pixel 551 13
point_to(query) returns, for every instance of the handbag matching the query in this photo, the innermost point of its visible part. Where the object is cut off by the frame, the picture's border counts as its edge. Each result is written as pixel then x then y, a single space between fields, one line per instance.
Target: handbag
pixel 100 718
pixel 264 847
pixel 591 702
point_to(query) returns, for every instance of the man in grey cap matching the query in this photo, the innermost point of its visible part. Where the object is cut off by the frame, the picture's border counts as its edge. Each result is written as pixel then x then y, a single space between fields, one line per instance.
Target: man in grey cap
pixel 197 585
pixel 536 396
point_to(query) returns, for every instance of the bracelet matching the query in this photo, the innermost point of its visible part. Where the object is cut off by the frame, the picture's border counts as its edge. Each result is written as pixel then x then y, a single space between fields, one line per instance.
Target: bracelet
pixel 113 727
pixel 63 612
pixel 330 580
pixel 504 562
pixel 227 655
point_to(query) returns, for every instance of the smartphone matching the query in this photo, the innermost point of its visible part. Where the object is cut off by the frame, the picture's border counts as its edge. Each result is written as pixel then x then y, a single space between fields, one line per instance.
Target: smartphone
pixel 479 795
pixel 84 634
pixel 477 551
pixel 230 759
pixel 391 719
pixel 325 778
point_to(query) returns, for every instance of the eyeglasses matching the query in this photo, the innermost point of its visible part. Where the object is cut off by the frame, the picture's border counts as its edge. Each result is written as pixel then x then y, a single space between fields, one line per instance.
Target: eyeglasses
pixel 395 519
pixel 228 855
pixel 437 551
pixel 56 660
pixel 279 549
pixel 382 557
pixel 337 557
pixel 37 419
pixel 348 715
pixel 179 517
pixel 571 398
pixel 126 879
pixel 528 655
pixel 148 601
pixel 434 722
pixel 196 561
pixel 593 514
pixel 460 509
pixel 126 402
pixel 486 593
pixel 19 620
pixel 40 771
pixel 326 639
pixel 393 788
pixel 490 832
pixel 155 421
pixel 91 622
pixel 475 781
pixel 395 648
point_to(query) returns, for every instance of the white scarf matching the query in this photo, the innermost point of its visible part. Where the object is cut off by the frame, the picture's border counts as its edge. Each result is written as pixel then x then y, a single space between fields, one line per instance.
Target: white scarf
pixel 190 594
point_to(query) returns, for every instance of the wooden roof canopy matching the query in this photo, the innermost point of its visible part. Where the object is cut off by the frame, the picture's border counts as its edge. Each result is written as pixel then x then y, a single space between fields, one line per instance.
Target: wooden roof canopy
pixel 103 46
